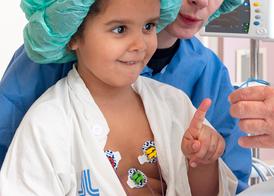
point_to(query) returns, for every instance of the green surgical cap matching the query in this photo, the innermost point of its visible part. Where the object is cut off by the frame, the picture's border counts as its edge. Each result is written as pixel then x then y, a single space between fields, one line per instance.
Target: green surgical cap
pixel 226 7
pixel 52 23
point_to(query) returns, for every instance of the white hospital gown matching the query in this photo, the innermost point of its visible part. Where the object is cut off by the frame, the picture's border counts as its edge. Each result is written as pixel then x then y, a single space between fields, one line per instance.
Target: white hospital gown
pixel 58 148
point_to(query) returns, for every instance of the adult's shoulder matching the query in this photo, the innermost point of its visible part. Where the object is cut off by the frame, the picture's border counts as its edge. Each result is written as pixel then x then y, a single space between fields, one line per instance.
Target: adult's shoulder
pixel 194 44
pixel 29 73
pixel 209 56
pixel 192 52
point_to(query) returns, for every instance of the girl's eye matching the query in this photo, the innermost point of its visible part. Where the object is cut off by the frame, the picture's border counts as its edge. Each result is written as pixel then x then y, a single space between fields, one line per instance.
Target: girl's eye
pixel 119 29
pixel 149 26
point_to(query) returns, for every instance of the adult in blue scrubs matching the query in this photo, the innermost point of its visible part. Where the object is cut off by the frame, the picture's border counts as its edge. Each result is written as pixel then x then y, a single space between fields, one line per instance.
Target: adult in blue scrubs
pixel 184 63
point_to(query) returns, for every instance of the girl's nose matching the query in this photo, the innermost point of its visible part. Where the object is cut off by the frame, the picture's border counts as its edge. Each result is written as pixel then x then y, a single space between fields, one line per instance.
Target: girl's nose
pixel 138 43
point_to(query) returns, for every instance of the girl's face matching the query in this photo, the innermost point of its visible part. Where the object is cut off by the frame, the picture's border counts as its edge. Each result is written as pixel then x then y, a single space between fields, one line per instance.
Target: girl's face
pixel 192 16
pixel 117 42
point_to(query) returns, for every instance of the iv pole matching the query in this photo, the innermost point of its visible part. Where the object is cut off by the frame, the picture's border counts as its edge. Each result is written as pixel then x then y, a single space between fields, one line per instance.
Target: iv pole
pixel 254 58
pixel 254 73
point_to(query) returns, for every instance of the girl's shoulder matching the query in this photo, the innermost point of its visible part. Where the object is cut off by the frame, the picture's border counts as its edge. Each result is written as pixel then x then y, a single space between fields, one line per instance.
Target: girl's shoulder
pixel 50 110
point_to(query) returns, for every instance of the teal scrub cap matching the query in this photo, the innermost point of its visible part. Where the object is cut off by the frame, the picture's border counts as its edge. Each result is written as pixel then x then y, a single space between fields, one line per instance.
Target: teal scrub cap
pixel 52 23
pixel 226 7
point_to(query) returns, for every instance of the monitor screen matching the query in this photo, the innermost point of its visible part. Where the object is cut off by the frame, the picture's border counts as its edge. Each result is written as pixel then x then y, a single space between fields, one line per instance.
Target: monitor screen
pixel 237 21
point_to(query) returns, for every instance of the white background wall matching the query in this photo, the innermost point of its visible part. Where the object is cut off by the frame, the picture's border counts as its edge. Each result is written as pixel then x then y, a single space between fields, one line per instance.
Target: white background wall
pixel 12 21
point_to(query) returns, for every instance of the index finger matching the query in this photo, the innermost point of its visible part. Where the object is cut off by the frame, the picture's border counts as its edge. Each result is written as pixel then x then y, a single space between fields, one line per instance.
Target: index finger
pixel 199 117
pixel 253 93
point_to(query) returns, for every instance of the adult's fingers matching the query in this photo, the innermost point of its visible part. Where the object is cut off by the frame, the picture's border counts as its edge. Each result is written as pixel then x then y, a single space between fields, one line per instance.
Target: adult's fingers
pixel 254 126
pixel 198 118
pixel 249 109
pixel 253 93
pixel 257 141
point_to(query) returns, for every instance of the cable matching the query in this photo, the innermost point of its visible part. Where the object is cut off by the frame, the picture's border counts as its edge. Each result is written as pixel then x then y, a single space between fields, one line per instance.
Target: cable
pixel 249 80
pixel 262 176
pixel 161 178
pixel 269 169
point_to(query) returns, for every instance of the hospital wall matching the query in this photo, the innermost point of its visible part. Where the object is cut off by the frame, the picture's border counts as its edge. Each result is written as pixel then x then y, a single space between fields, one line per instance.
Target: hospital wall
pixel 233 45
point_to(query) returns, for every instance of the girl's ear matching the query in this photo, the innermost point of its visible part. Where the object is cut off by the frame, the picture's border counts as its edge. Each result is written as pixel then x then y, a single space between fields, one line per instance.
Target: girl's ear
pixel 73 43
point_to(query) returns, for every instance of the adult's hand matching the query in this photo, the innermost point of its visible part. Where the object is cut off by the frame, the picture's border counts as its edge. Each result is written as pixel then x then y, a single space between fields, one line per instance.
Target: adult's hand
pixel 254 106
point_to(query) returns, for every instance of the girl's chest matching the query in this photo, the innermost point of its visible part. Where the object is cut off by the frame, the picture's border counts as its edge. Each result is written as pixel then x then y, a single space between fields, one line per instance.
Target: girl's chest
pixel 132 152
pixel 132 138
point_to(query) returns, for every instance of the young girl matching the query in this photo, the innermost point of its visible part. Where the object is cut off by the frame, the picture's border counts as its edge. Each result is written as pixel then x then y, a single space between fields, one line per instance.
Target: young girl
pixel 96 131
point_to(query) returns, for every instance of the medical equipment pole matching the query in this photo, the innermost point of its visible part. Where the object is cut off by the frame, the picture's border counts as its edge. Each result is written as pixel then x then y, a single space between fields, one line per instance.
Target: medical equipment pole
pixel 254 73
pixel 254 58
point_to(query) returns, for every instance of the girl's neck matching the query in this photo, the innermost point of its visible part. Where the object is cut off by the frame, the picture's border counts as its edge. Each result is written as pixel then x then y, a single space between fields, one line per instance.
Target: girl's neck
pixel 112 96
pixel 102 92
pixel 165 39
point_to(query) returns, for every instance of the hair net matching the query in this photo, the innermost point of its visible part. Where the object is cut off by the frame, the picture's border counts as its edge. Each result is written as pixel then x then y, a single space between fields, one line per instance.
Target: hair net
pixel 53 22
pixel 227 6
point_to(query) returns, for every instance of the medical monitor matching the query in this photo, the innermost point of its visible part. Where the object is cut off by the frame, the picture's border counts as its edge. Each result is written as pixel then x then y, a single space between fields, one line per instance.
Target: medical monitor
pixel 252 19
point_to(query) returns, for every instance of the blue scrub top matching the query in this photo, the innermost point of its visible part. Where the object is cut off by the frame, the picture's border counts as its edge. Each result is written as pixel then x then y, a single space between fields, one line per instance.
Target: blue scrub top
pixel 194 69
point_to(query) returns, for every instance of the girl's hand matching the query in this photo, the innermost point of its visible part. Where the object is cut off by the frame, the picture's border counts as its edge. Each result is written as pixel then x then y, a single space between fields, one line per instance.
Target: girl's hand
pixel 201 144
